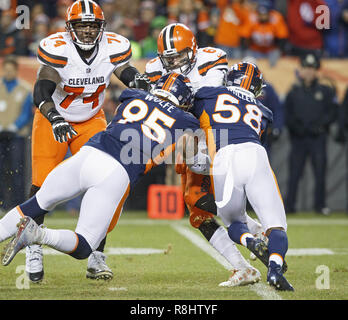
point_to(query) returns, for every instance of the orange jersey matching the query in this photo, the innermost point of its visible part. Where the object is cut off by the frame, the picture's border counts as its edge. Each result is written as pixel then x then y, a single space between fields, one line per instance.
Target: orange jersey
pixel 263 36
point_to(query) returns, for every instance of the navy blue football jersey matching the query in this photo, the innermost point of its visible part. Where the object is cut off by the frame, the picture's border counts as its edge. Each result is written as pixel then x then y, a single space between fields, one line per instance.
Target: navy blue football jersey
pixel 233 115
pixel 144 129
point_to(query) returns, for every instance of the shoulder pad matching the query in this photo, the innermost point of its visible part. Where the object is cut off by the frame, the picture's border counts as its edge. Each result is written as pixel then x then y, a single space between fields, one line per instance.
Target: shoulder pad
pixel 154 69
pixel 210 58
pixel 52 50
pixel 118 48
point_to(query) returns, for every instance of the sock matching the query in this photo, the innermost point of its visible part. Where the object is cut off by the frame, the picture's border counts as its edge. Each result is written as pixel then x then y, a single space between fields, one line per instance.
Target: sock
pixel 239 233
pixel 83 249
pixel 32 209
pixel 223 244
pixel 8 224
pixel 62 240
pixel 277 246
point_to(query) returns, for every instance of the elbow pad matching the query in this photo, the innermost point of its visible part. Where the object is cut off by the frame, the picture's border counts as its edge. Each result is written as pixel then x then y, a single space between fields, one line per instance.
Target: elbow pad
pixel 43 91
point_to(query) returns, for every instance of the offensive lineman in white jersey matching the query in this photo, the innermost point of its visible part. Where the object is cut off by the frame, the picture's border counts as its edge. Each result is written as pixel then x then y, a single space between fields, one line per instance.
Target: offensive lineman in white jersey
pixel 76 67
pixel 178 52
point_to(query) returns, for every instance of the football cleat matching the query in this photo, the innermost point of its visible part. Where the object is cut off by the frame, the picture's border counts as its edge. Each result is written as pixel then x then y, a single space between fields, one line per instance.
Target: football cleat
pixel 97 268
pixel 260 235
pixel 276 279
pixel 259 248
pixel 242 278
pixel 34 262
pixel 28 233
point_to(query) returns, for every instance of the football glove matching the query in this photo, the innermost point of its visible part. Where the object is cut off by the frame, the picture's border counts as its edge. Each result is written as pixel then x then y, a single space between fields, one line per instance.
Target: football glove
pixel 142 81
pixel 62 130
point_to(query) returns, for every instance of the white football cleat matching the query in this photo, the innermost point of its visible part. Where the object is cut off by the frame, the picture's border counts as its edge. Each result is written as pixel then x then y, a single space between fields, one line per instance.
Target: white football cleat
pixel 28 233
pixel 242 278
pixel 34 262
pixel 97 268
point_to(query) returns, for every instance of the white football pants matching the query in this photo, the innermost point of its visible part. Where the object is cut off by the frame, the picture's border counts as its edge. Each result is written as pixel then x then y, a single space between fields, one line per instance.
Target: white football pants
pixel 240 172
pixel 106 186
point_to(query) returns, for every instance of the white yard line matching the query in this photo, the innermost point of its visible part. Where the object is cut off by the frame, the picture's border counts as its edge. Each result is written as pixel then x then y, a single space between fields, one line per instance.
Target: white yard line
pixel 129 221
pixel 262 290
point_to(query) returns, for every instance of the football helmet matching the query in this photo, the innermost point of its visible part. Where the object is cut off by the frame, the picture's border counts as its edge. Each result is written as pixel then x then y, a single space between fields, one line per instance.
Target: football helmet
pixel 86 23
pixel 177 48
pixel 247 76
pixel 175 88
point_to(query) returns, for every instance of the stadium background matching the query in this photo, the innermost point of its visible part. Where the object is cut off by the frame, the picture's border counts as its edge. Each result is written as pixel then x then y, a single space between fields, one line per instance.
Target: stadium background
pixel 281 76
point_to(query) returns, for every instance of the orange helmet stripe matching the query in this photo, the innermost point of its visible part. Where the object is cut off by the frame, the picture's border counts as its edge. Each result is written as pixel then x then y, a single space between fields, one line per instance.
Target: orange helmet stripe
pixel 80 7
pixel 169 82
pixel 244 78
pixel 250 76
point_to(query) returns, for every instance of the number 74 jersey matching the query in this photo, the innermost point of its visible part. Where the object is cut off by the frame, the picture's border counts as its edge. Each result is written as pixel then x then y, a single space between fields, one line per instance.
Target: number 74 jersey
pixel 81 92
pixel 230 115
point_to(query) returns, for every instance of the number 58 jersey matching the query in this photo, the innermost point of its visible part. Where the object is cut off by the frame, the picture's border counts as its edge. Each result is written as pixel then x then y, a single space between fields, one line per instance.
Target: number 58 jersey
pixel 81 92
pixel 230 115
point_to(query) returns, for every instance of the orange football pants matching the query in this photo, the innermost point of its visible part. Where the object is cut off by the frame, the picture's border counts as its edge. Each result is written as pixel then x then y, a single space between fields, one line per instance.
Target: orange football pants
pixel 194 186
pixel 47 153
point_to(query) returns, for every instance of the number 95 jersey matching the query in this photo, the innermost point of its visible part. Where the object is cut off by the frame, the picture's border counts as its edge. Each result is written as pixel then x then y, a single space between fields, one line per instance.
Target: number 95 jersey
pixel 144 129
pixel 81 92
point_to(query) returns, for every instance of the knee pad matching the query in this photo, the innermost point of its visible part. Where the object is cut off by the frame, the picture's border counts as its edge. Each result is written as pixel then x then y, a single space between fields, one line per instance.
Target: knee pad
pixel 83 249
pixel 207 203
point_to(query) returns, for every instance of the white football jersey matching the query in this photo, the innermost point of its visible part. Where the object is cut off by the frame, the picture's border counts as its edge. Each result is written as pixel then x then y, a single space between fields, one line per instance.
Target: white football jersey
pixel 209 69
pixel 81 92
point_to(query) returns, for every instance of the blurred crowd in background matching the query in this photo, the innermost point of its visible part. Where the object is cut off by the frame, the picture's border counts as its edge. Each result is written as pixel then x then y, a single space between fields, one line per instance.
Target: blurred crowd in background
pixel 261 28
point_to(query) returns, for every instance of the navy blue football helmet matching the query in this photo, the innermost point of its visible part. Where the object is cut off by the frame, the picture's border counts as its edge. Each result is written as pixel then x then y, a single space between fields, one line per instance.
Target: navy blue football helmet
pixel 247 76
pixel 175 88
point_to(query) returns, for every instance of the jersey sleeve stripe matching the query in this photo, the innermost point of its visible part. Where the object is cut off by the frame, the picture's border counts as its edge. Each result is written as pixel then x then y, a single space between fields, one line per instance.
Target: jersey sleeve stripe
pixel 50 59
pixel 154 76
pixel 207 128
pixel 121 57
pixel 204 68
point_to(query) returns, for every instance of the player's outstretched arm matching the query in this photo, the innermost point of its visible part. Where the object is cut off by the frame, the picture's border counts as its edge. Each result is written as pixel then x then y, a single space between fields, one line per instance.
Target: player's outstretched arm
pixel 132 78
pixel 45 85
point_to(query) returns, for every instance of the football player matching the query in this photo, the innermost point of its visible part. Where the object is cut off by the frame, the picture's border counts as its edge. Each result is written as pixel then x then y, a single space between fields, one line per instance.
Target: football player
pixel 76 67
pixel 178 51
pixel 144 123
pixel 240 166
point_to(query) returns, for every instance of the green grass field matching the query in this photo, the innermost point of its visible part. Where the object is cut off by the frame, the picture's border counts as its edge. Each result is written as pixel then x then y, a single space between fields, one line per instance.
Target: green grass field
pixel 169 260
